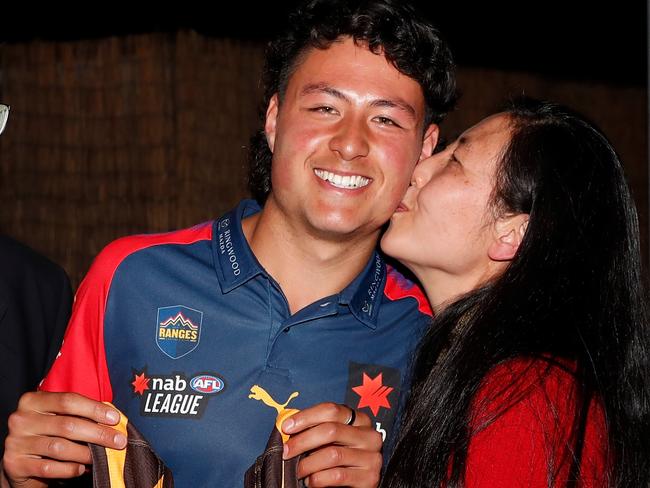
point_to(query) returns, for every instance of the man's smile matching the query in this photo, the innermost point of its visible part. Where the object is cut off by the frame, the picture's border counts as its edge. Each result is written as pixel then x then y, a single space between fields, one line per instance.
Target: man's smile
pixel 346 182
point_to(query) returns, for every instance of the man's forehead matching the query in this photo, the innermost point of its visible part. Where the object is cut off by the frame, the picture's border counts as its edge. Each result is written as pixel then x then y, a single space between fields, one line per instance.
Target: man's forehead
pixel 346 65
pixel 345 50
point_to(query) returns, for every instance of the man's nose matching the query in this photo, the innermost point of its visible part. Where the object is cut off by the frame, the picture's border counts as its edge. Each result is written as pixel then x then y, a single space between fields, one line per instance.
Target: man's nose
pixel 351 139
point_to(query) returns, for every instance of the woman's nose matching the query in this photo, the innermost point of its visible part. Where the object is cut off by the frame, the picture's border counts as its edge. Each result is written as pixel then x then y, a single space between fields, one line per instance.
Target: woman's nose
pixel 422 172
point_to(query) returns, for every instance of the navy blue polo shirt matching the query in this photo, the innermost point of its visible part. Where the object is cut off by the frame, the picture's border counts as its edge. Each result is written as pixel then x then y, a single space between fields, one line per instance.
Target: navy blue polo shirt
pixel 189 336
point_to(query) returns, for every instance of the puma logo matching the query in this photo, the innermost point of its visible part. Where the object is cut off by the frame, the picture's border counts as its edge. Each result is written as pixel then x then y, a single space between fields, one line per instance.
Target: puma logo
pixel 259 393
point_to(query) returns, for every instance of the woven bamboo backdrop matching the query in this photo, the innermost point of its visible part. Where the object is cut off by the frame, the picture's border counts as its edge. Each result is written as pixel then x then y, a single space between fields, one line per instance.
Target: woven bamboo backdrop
pixel 148 133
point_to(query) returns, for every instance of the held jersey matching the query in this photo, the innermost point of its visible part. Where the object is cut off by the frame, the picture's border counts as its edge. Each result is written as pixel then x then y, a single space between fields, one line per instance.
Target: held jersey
pixel 136 466
pixel 269 469
pixel 176 329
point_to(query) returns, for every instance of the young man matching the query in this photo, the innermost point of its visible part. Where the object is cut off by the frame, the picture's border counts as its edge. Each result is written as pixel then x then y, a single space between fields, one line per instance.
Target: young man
pixel 202 336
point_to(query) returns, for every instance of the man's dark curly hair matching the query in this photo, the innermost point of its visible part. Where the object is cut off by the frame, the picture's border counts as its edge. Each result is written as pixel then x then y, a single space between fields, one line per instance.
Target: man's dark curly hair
pixel 390 27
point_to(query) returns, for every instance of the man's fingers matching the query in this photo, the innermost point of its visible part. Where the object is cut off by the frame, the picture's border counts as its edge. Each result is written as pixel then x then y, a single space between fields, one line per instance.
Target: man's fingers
pixel 55 448
pixel 33 424
pixel 29 468
pixel 323 412
pixel 48 433
pixel 68 404
pixel 329 433
pixel 358 478
pixel 338 456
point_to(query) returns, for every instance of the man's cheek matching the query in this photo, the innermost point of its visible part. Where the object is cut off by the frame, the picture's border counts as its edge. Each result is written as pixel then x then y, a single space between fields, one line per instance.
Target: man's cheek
pixel 400 181
pixel 281 176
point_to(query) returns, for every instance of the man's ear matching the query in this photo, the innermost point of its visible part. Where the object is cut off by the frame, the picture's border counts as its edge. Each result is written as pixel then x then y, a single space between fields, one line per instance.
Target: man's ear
pixel 509 232
pixel 271 121
pixel 429 142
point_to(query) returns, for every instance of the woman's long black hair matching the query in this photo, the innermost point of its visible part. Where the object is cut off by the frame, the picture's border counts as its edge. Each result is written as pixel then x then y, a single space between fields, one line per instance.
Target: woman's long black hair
pixel 573 292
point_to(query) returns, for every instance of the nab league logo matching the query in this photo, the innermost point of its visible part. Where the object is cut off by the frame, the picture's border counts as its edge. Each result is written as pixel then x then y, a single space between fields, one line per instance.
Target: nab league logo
pixel 178 330
pixel 175 395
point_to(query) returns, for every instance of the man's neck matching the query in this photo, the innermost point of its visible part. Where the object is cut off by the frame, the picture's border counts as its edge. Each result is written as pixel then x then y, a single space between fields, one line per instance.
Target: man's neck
pixel 307 267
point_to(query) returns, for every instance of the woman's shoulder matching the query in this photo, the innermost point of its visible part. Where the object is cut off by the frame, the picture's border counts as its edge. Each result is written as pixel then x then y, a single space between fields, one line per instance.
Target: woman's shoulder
pixel 529 376
pixel 530 414
pixel 544 388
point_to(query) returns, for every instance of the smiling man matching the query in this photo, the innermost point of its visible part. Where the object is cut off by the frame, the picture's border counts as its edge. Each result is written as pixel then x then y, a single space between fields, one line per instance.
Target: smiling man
pixel 288 300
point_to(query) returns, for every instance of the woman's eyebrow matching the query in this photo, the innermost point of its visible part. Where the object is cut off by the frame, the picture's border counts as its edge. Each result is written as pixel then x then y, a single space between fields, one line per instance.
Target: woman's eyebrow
pixel 444 141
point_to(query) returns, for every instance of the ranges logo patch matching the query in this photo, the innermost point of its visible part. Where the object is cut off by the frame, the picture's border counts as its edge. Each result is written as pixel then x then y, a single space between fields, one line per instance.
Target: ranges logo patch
pixel 175 395
pixel 178 330
pixel 375 390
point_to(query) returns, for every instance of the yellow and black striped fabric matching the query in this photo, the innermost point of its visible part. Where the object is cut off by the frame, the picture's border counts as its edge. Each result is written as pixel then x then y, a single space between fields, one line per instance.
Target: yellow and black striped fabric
pixel 270 470
pixel 136 466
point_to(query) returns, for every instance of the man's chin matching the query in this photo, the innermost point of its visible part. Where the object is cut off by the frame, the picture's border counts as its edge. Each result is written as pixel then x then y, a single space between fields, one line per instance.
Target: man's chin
pixel 344 228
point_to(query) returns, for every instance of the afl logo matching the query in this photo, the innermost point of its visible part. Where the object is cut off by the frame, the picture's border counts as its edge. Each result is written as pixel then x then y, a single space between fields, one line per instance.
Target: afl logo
pixel 207 384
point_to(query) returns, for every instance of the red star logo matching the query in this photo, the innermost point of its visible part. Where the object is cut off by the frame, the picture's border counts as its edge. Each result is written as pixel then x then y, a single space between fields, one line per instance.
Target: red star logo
pixel 140 383
pixel 373 393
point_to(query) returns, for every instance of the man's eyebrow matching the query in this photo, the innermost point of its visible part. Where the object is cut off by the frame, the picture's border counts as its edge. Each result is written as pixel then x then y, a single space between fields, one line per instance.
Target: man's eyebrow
pixel 323 88
pixel 396 103
pixel 330 90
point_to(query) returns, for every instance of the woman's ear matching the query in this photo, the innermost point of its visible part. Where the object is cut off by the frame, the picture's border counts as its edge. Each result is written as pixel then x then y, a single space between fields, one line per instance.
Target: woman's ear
pixel 509 231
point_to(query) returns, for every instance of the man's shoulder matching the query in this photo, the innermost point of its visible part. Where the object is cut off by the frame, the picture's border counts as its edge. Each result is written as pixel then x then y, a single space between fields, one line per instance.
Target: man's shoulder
pixel 400 287
pixel 115 253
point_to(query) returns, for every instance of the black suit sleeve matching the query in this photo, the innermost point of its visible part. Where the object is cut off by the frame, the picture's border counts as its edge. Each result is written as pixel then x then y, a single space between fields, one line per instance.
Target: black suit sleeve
pixel 35 302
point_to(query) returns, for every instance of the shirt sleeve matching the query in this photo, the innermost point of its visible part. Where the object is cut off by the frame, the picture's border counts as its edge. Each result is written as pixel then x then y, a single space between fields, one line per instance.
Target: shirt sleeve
pixel 80 365
pixel 60 317
pixel 523 434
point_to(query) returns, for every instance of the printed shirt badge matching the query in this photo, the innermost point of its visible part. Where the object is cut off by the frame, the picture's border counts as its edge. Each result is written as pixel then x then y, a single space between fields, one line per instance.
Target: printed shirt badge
pixel 259 393
pixel 374 390
pixel 175 395
pixel 178 330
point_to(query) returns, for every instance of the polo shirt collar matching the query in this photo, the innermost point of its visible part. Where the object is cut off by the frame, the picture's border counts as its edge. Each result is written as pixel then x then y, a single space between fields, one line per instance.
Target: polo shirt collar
pixel 235 262
pixel 363 296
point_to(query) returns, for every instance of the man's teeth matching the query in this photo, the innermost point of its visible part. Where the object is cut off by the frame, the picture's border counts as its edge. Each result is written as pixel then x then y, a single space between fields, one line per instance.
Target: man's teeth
pixel 342 181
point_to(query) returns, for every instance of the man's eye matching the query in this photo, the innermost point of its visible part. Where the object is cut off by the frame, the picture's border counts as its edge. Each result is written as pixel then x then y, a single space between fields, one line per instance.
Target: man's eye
pixel 386 121
pixel 323 110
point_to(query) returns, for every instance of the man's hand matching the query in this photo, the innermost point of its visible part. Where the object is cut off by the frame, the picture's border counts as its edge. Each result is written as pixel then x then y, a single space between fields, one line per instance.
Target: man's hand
pixel 338 454
pixel 48 435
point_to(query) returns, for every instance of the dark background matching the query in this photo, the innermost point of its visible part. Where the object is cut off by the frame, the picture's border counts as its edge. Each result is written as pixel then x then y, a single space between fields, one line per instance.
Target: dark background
pixel 126 121
pixel 581 40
